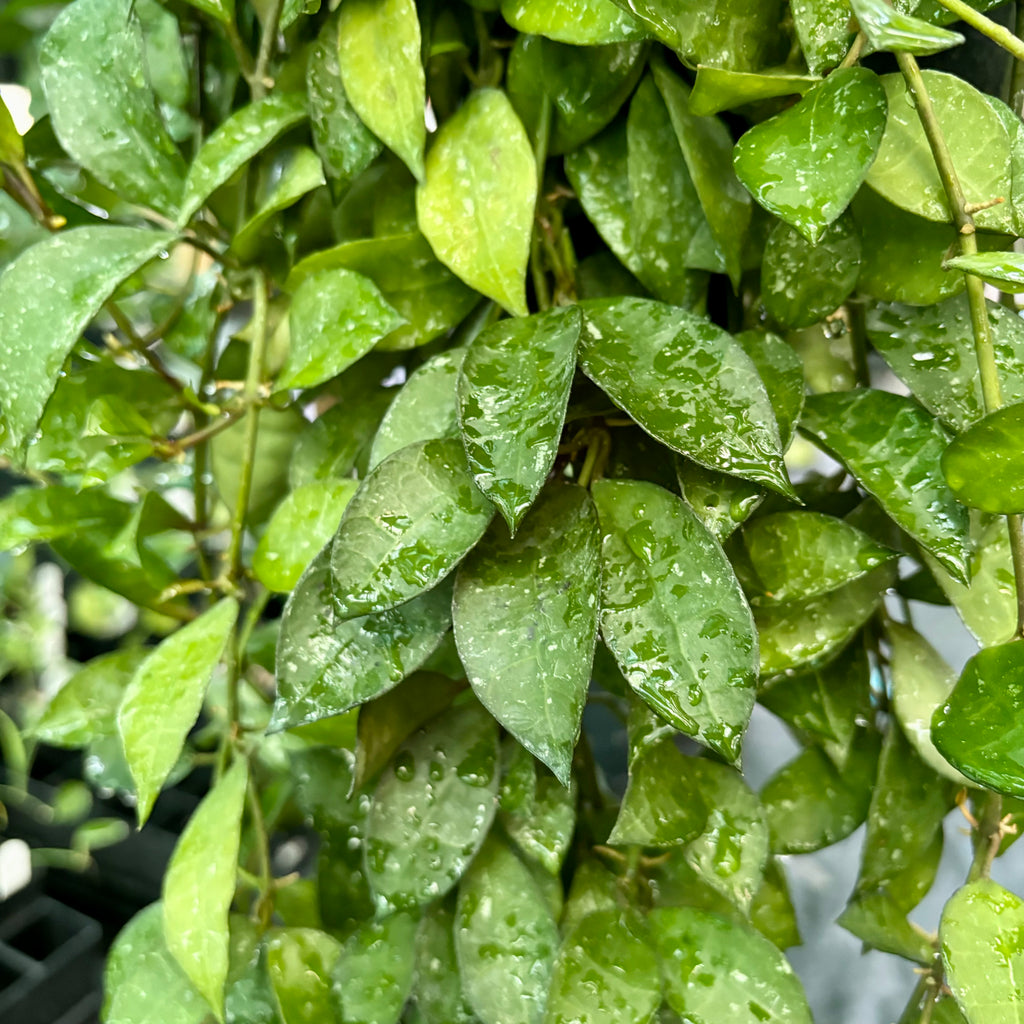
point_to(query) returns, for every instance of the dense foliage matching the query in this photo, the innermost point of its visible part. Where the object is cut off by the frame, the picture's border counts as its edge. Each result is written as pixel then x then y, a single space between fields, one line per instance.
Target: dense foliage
pixel 378 447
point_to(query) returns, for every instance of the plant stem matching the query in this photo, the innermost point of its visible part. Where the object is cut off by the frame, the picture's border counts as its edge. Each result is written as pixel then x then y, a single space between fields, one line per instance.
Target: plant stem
pixel 265 905
pixel 204 433
pixel 138 345
pixel 1016 97
pixel 542 293
pixel 260 78
pixel 853 54
pixel 984 348
pixel 987 837
pixel 858 337
pixel 241 52
pixel 986 26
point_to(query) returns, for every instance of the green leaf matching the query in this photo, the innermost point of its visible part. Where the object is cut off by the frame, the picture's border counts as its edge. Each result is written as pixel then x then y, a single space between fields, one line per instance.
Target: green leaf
pixel 978 729
pixel 707 149
pixel 200 885
pixel 379 57
pixel 234 143
pixel 805 164
pixel 300 962
pixel 345 145
pixel 437 990
pixel 888 29
pixel 476 204
pixel 506 939
pixel 981 951
pixel 77 270
pixel 823 29
pixel 373 976
pixel 879 922
pixel 103 110
pixel 85 707
pixel 411 521
pixel 893 448
pixel 580 22
pixel 606 973
pixel 425 408
pixel 921 682
pixel 673 614
pixel 542 828
pixel 904 172
pixel 799 555
pixel 1004 270
pixel 509 595
pixel 512 395
pixel 721 502
pixel 771 912
pixel 143 983
pixel 165 696
pixel 335 317
pixel 301 525
pixel 687 383
pixel 327 664
pixel 718 89
pixel 432 809
pixel 782 371
pixel 931 350
pixel 802 283
pixel 724 972
pixel 983 466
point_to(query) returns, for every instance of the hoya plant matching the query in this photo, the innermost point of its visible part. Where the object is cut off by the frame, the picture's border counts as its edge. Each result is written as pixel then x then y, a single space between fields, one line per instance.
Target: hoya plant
pixel 415 388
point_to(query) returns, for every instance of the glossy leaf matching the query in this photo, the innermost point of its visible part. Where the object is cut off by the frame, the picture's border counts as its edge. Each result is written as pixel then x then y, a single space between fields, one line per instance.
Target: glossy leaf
pixel 893 448
pixel 411 521
pixel 904 172
pixel 335 317
pixel 512 394
pixel 432 809
pixel 978 728
pixel 888 29
pixel 542 828
pixel 78 270
pixel 580 22
pixel 506 939
pixel 606 973
pixel 1004 270
pixel 983 465
pixel 720 971
pixel 687 383
pixel 382 74
pixel 721 502
pixel 163 699
pixel 673 614
pixel 437 989
pixel 475 206
pixel 805 164
pixel 101 106
pixel 200 885
pixel 235 143
pixel 327 664
pixel 142 982
pixel 300 962
pixel 824 31
pixel 718 89
pixel 880 923
pixel 771 911
pixel 301 525
pixel 525 617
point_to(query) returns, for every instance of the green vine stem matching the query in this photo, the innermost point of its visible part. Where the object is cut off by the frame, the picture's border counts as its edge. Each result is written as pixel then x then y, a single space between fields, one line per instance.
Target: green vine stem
pixel 542 292
pixel 986 26
pixel 261 80
pixel 988 834
pixel 983 346
pixel 1016 98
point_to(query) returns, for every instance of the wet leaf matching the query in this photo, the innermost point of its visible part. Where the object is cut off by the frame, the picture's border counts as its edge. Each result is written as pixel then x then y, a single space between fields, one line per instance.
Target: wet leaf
pixel 879 922
pixel 805 164
pixel 432 809
pixel 983 465
pixel 724 972
pixel 200 885
pixel 143 983
pixel 673 614
pixel 301 525
pixel 721 502
pixel 373 976
pixel 893 448
pixel 904 172
pixel 506 939
pixel 687 383
pixel 1004 270
pixel 411 521
pixel 771 912
pixel 300 962
pixel 580 22
pixel 542 829
pixel 437 989
pixel 379 57
pixel 335 317
pixel 101 107
pixel 888 29
pixel 978 728
pixel 606 973
pixel 718 89
pixel 163 700
pixel 981 951
pixel 525 617
pixel 327 664
pixel 823 29
pixel 476 203
pixel 234 143
pixel 77 270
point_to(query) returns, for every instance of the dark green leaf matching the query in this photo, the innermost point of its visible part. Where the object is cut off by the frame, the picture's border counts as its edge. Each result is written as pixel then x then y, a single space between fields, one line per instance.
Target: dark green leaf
pixel 878 921
pixel 893 448
pixel 525 616
pixel 687 383
pixel 718 89
pixel 771 912
pixel 432 808
pixel 823 28
pixel 411 521
pixel 1004 270
pixel 673 614
pixel 437 989
pixel 512 394
pixel 580 22
pixel 888 29
pixel 542 827
pixel 300 962
pixel 721 502
pixel 782 372
pixel 983 466
pixel 327 664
